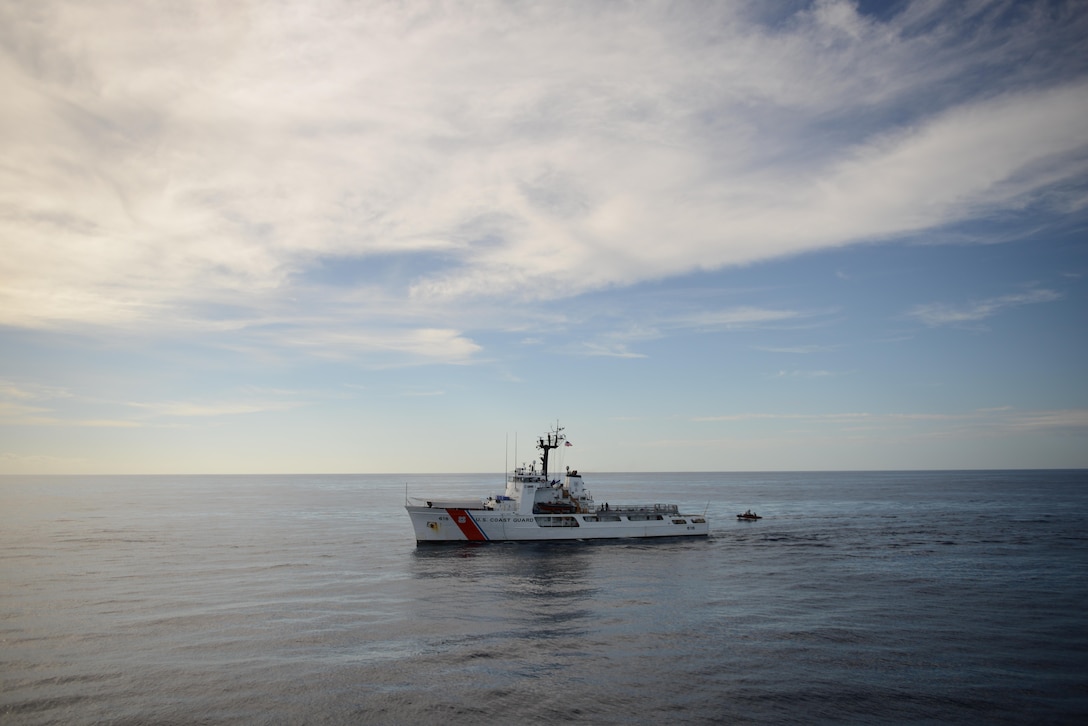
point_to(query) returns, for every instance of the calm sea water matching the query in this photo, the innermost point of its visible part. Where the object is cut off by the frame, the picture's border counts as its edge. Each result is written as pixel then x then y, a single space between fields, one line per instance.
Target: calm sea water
pixel 860 597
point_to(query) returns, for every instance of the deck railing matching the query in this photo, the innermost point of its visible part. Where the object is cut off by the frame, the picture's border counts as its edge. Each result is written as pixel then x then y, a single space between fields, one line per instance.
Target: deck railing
pixel 639 508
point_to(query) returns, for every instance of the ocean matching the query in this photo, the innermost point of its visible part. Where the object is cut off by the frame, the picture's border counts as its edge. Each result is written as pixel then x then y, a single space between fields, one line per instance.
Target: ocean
pixel 861 597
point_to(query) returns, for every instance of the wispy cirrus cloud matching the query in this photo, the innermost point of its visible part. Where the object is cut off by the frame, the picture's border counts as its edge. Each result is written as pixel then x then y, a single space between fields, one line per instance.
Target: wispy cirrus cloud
pixel 938 314
pixel 15 462
pixel 164 162
pixel 31 391
pixel 804 374
pixel 407 345
pixel 797 349
pixel 18 412
pixel 32 404
pixel 13 414
pixel 653 325
pixel 27 403
pixel 734 318
pixel 195 409
pixel 1003 419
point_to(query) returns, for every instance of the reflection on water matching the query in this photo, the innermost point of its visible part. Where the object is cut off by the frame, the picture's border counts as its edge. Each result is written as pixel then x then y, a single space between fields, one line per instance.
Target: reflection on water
pixel 531 590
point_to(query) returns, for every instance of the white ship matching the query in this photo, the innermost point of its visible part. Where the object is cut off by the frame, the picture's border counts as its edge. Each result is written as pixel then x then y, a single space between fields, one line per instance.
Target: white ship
pixel 538 507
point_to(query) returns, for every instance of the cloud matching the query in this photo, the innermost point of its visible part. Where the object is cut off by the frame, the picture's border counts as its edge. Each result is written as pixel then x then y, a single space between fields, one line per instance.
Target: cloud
pixel 173 170
pixel 13 414
pixel 938 314
pixel 998 420
pixel 24 404
pixel 14 462
pixel 28 391
pixel 649 324
pixel 10 412
pixel 1075 419
pixel 825 417
pixel 610 349
pixel 418 345
pixel 187 409
pixel 804 374
pixel 27 404
pixel 797 349
pixel 734 318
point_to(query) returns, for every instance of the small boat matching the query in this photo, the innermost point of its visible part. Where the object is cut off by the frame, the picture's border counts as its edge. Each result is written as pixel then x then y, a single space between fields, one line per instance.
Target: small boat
pixel 536 507
pixel 749 515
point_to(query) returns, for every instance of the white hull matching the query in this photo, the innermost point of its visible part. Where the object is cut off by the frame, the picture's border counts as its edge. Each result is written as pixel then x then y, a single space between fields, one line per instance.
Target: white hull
pixel 437 524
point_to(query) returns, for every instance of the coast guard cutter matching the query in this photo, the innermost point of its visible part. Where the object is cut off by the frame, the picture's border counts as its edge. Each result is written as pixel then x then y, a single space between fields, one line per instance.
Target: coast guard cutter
pixel 538 506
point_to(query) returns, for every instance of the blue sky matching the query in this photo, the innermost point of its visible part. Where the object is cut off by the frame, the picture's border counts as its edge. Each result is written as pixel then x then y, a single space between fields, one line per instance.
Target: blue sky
pixel 390 237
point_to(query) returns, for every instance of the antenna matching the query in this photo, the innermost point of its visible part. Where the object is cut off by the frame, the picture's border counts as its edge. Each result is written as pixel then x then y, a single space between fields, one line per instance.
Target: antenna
pixel 547 443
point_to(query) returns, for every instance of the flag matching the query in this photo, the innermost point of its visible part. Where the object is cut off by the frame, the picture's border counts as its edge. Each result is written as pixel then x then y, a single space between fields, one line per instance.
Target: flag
pixel 569 444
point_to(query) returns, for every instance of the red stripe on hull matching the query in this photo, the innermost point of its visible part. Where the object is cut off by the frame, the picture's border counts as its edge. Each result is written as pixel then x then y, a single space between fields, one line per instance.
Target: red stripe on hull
pixel 467 525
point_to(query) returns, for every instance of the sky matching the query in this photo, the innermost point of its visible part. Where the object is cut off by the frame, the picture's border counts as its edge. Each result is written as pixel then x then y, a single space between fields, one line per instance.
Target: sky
pixel 341 236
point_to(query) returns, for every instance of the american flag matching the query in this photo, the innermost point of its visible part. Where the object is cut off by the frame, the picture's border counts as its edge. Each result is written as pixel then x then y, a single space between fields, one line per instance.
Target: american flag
pixel 569 444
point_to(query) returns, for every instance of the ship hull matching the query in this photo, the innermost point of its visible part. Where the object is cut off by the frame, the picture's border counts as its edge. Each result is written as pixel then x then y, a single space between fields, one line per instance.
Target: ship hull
pixel 450 524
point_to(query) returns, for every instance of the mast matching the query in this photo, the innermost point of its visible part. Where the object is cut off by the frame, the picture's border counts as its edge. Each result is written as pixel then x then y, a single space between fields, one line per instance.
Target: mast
pixel 548 442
